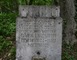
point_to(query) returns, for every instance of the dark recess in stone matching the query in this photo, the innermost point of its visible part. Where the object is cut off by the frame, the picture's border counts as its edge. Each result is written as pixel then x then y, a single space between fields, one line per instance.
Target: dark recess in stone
pixel 38 53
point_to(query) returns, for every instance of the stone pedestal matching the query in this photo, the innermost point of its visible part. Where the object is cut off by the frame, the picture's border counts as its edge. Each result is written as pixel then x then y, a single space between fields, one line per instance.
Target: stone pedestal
pixel 38 33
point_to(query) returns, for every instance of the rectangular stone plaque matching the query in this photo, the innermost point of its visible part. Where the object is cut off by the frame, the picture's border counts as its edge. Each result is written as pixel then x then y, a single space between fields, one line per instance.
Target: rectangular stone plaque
pixel 38 37
pixel 39 11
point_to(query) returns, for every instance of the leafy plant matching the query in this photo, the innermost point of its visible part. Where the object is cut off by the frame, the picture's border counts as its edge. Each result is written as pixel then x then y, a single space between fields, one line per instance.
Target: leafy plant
pixel 4 44
pixel 36 2
pixel 7 24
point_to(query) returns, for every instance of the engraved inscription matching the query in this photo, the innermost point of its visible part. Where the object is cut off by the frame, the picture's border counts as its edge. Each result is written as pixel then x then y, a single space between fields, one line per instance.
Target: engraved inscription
pixel 39 32
pixel 38 37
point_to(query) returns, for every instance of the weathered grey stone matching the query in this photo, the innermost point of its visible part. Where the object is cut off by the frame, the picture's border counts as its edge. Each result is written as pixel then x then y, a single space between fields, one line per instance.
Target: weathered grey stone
pixel 39 37
pixel 38 33
pixel 39 11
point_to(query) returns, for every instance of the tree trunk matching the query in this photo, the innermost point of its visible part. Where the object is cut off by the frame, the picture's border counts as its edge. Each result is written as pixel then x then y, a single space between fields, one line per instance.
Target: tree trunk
pixel 68 14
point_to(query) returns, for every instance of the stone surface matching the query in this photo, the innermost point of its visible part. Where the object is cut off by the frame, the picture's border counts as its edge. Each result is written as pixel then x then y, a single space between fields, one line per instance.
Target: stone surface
pixel 39 11
pixel 38 37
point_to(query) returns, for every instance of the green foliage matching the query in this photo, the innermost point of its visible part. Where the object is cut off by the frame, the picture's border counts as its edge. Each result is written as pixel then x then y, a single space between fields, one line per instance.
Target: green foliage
pixel 8 6
pixel 7 49
pixel 42 2
pixel 68 52
pixel 36 2
pixel 7 24
pixel 12 53
pixel 7 28
pixel 3 44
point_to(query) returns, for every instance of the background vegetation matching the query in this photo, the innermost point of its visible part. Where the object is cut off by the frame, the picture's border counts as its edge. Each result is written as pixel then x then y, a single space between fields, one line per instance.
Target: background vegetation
pixel 8 14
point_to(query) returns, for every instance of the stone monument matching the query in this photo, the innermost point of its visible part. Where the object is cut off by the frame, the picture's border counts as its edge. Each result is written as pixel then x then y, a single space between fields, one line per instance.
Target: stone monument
pixel 38 33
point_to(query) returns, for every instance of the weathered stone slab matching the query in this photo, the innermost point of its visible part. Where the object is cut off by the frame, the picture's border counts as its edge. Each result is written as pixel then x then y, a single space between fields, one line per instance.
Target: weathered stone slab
pixel 39 11
pixel 38 38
